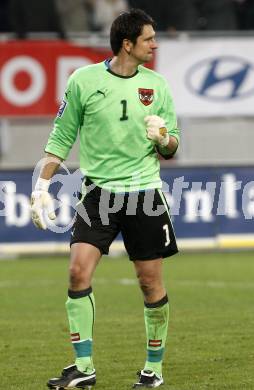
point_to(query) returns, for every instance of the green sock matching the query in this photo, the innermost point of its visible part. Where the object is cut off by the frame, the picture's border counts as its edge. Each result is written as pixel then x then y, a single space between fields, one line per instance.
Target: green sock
pixel 156 323
pixel 80 308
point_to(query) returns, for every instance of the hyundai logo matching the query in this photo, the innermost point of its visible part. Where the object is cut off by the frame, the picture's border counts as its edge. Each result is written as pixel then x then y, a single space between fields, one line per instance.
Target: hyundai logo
pixel 221 78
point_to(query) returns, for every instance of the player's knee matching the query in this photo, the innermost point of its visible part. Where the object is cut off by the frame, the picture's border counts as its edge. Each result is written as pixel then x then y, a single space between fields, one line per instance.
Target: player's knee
pixel 78 276
pixel 148 284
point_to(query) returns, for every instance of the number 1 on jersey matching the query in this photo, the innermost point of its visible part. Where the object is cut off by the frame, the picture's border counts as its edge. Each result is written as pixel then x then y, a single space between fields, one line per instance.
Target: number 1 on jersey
pixel 124 117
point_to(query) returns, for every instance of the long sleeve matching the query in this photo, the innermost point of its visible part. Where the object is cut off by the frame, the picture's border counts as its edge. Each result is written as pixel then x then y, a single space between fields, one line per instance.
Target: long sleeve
pixel 67 122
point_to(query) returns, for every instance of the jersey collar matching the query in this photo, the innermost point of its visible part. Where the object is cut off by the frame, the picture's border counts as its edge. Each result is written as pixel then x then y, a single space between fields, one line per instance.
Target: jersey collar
pixel 107 64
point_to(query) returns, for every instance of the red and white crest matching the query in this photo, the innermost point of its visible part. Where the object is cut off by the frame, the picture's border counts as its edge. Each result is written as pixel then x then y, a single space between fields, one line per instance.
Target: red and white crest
pixel 146 96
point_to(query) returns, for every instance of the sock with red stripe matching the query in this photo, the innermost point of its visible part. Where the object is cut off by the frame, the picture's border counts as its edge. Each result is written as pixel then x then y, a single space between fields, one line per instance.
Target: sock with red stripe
pixel 156 324
pixel 80 308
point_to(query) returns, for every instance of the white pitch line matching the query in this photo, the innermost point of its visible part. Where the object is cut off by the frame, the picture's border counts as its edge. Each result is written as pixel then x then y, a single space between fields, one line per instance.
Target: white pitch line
pixel 134 282
pixel 194 283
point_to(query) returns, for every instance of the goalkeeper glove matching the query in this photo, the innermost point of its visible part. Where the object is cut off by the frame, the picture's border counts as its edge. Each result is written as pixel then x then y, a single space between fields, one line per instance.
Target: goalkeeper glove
pixel 41 202
pixel 156 130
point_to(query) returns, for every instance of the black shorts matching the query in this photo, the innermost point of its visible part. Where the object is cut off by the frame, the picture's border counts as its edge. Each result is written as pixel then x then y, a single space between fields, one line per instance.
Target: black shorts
pixel 141 217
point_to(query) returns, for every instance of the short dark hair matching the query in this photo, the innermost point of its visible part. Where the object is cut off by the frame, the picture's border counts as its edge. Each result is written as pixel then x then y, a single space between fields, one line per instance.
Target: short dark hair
pixel 128 25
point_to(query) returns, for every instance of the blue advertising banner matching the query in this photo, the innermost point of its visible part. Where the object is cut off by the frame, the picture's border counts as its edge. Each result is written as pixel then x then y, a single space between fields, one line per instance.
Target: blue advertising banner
pixel 205 203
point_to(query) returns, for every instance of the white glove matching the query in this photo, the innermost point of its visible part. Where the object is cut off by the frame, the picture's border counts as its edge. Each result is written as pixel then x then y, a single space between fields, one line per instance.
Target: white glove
pixel 41 203
pixel 156 130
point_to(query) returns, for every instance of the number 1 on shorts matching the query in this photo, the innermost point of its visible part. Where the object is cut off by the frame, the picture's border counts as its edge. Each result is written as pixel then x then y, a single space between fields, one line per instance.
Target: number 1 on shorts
pixel 167 242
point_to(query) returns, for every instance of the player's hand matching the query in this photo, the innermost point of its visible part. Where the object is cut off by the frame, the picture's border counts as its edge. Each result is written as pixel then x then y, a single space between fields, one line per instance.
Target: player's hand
pixel 41 204
pixel 156 130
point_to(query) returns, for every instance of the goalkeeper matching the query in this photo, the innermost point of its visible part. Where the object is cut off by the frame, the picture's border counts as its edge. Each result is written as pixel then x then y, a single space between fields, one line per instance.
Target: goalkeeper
pixel 124 116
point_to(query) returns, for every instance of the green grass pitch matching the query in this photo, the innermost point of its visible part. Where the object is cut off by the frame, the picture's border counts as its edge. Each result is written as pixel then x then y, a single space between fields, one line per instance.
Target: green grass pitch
pixel 211 333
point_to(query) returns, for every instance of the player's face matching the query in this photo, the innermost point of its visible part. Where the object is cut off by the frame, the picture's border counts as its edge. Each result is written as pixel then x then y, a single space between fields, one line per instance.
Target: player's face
pixel 143 49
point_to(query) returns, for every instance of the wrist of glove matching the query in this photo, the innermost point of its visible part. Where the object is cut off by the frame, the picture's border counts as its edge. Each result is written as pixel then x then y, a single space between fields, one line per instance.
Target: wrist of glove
pixel 156 130
pixel 42 205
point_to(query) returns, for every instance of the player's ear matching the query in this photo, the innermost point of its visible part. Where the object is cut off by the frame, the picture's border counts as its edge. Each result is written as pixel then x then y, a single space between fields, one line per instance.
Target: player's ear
pixel 127 45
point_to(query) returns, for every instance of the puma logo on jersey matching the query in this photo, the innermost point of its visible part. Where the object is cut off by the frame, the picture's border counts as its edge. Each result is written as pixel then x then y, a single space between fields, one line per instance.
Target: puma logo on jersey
pixel 103 93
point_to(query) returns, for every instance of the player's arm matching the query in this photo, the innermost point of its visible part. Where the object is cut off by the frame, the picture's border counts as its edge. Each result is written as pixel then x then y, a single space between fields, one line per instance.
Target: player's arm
pixel 67 121
pixel 172 145
pixel 50 166
pixel 60 141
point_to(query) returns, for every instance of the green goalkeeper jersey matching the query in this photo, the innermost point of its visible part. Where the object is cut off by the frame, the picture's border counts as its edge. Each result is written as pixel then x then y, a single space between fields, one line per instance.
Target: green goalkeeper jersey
pixel 107 111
